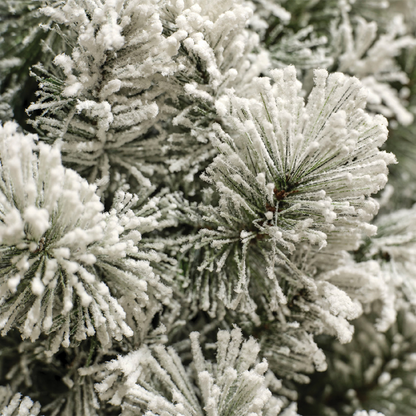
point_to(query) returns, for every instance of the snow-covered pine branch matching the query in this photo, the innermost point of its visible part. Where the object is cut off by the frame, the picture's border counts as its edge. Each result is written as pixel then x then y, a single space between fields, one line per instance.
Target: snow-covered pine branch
pixel 288 174
pixel 371 57
pixel 105 96
pixel 156 382
pixel 16 405
pixel 214 187
pixel 394 248
pixel 302 48
pixel 66 266
pixel 370 413
pixel 134 66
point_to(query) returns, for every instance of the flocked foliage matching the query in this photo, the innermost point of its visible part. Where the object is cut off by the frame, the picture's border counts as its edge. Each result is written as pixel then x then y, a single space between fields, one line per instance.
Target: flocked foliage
pixel 287 173
pixel 156 380
pixel 16 405
pixel 62 258
pixel 194 210
pixel 137 64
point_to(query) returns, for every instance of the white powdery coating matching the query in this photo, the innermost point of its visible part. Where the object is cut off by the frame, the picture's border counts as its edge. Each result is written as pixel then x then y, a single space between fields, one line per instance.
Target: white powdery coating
pixel 215 33
pixel 133 63
pixel 364 283
pixel 394 247
pixel 291 173
pixel 371 57
pixel 301 172
pixel 16 405
pixel 55 236
pixel 234 385
pixel 292 352
pixel 111 81
pixel 229 62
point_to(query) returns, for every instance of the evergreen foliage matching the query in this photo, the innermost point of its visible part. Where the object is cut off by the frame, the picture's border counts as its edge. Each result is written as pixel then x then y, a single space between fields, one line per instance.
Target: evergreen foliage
pixel 195 217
